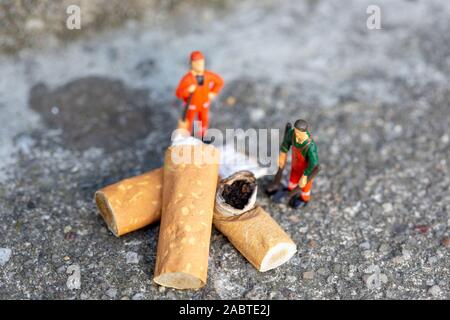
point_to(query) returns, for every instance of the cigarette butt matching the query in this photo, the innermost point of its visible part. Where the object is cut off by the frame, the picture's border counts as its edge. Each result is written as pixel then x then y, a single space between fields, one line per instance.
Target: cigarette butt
pixel 132 203
pixel 258 237
pixel 253 232
pixel 182 260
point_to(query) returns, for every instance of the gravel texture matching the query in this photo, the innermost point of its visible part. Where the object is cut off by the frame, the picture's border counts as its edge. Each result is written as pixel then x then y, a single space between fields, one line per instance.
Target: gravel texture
pixel 81 115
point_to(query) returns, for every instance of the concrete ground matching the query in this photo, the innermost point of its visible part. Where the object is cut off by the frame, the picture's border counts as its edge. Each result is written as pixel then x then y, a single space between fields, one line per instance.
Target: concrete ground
pixel 80 115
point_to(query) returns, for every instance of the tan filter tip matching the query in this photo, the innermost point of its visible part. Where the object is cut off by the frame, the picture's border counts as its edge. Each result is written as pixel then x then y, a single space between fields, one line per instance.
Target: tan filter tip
pixel 106 212
pixel 278 255
pixel 179 280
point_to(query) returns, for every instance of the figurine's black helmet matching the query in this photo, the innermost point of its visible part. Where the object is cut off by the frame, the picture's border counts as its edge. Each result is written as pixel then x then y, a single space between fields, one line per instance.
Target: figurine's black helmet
pixel 301 125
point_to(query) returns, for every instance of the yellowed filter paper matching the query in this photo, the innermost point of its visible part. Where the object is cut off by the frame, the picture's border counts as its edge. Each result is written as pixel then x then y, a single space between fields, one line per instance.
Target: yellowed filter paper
pixel 258 237
pixel 132 203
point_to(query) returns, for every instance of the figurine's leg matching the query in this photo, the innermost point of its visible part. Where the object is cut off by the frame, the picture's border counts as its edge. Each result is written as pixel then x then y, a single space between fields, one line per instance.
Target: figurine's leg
pixel 303 198
pixel 190 116
pixel 294 178
pixel 306 192
pixel 203 118
pixel 298 167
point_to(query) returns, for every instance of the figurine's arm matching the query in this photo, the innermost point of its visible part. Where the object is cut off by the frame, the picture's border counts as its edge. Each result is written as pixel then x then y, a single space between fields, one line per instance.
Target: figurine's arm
pixel 182 91
pixel 287 142
pixel 284 149
pixel 313 159
pixel 218 83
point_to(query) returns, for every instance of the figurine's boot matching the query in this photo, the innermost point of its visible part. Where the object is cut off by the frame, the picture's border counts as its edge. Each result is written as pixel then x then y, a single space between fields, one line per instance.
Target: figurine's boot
pixel 207 141
pixel 297 202
pixel 280 195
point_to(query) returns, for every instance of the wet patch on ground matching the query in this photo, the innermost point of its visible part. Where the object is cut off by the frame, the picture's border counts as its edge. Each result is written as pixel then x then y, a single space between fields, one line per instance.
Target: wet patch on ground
pixel 94 112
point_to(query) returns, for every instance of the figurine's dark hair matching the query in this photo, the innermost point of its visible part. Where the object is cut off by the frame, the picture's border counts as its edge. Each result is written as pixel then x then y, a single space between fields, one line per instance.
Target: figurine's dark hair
pixel 301 125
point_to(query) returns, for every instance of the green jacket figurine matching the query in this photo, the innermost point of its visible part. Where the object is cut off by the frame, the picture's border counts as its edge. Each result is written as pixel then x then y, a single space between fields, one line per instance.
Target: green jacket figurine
pixel 305 162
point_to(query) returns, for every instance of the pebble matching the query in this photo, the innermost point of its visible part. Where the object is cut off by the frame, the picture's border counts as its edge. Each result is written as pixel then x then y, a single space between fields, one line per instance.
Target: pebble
pixel 294 219
pixel 257 114
pixel 430 283
pixel 387 207
pixel 82 232
pixel 291 279
pixel 132 257
pixel 231 101
pixel 432 260
pixel 5 255
pixel 84 296
pixel 70 236
pixel 256 293
pixel 365 245
pixel 435 291
pixel 398 260
pixel 138 296
pixel 112 293
pixel 308 275
pixel 372 268
pixel 445 241
pixel 337 268
pixel 421 228
pixel 406 254
pixel 390 294
pixel 67 229
pixel 31 205
pixel 303 229
pixel 384 249
pixel 312 244
pixel 323 272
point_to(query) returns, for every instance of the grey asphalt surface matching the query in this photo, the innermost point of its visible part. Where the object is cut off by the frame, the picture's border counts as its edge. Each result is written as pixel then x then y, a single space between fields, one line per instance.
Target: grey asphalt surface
pixel 78 116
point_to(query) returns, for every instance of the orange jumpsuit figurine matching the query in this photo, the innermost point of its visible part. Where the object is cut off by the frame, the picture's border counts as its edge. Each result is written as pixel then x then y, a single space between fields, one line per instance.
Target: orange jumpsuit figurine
pixel 198 87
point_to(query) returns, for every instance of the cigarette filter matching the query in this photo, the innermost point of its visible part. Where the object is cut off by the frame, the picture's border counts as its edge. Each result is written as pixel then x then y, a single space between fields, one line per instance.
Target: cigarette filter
pixel 252 231
pixel 257 237
pixel 189 187
pixel 132 203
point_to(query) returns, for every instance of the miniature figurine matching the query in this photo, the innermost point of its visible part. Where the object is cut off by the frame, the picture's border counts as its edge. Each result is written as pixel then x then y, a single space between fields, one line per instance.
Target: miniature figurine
pixel 304 167
pixel 197 89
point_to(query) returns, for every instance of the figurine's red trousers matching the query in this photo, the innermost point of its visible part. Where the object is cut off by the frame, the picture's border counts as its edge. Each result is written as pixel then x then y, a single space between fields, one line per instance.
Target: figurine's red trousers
pixel 202 116
pixel 299 164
